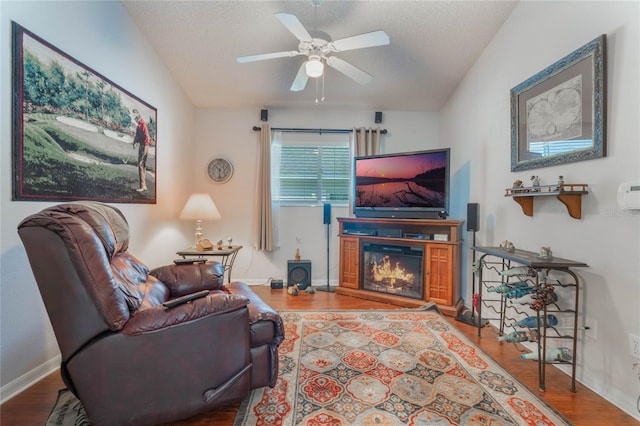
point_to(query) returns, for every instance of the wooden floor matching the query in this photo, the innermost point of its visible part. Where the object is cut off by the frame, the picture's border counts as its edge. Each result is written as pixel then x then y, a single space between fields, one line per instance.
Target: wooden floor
pixel 584 407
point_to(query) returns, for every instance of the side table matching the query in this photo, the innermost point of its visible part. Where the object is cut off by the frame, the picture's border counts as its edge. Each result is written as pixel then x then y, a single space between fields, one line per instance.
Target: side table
pixel 227 253
pixel 531 277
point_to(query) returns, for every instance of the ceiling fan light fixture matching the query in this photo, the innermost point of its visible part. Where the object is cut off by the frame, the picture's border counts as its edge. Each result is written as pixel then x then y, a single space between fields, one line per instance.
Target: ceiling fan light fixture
pixel 314 67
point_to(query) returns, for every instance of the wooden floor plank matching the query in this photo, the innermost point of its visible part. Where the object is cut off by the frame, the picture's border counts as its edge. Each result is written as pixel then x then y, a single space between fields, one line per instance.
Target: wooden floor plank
pixel 584 407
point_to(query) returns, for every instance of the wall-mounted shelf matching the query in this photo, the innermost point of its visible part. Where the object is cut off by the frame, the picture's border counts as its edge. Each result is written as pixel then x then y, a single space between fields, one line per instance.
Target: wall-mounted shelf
pixel 570 194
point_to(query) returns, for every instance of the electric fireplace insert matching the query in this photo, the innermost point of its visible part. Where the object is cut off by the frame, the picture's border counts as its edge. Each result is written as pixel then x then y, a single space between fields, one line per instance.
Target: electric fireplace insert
pixel 396 269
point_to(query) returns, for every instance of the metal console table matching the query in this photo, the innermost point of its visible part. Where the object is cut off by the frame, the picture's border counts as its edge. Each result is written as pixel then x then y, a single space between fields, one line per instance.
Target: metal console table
pixel 535 264
pixel 227 253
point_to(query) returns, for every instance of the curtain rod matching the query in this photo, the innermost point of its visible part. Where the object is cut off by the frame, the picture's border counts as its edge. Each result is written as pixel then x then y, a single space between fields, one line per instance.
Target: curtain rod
pixel 320 131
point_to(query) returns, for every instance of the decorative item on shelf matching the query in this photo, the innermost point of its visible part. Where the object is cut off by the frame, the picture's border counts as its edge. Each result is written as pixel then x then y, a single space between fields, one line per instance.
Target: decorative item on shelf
pixel 507 245
pixel 229 240
pixel 219 244
pixel 517 184
pixel 560 182
pixel 310 290
pixel 545 253
pixel 200 207
pixel 293 290
pixel 204 245
pixel 519 336
pixel 532 322
pixel 551 355
pixel 535 183
pixel 297 255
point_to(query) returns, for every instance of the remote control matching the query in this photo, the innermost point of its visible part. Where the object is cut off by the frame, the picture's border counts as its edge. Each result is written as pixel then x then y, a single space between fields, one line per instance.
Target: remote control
pixel 184 299
pixel 188 261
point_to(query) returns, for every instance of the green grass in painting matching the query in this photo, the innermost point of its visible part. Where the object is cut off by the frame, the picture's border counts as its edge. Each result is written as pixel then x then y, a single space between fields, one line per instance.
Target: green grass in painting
pixel 65 162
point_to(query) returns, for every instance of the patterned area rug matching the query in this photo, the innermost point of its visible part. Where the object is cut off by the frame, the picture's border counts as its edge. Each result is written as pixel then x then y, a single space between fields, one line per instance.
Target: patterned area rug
pixel 388 368
pixel 67 411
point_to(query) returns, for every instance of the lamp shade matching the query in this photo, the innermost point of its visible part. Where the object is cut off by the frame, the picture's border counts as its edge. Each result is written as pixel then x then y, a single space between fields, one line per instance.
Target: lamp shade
pixel 314 67
pixel 200 207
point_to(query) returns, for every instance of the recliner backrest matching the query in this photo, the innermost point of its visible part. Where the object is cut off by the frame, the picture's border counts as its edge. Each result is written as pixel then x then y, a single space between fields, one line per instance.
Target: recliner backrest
pixel 87 279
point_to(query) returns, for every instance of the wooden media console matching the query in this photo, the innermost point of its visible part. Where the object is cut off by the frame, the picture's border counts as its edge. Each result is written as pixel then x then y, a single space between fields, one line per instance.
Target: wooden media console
pixel 371 247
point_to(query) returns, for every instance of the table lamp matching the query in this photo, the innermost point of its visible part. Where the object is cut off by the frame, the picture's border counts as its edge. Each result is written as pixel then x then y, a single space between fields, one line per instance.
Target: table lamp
pixel 200 207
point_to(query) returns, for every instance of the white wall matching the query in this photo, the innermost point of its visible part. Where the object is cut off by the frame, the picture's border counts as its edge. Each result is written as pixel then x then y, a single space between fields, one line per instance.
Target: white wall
pixel 228 133
pixel 476 122
pixel 101 36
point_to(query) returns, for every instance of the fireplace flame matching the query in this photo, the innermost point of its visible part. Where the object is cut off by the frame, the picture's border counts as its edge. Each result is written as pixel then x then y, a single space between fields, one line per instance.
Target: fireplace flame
pixel 383 272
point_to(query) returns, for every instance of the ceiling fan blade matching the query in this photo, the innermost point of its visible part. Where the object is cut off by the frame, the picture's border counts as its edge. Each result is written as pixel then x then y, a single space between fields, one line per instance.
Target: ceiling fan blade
pixel 293 24
pixel 301 79
pixel 262 57
pixel 375 38
pixel 349 70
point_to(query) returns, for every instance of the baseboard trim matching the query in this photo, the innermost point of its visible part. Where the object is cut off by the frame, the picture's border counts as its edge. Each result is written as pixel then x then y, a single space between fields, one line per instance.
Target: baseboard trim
pixel 30 378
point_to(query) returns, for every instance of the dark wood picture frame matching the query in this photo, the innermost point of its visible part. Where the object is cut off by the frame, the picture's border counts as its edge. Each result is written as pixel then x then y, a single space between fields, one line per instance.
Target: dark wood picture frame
pixel 74 130
pixel 558 116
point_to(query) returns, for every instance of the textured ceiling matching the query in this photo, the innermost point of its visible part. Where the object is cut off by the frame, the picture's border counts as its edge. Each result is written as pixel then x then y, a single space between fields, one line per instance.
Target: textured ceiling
pixel 433 45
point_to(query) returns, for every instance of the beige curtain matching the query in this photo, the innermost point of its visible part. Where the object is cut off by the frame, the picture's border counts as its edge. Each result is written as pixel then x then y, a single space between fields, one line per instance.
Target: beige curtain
pixel 264 216
pixel 367 141
pixel 363 142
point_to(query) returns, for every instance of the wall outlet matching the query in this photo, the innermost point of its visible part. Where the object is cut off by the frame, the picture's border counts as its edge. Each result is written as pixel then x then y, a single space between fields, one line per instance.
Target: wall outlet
pixel 634 346
pixel 591 328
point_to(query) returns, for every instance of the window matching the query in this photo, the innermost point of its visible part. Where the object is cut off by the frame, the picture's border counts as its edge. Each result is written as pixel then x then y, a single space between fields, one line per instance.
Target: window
pixel 312 169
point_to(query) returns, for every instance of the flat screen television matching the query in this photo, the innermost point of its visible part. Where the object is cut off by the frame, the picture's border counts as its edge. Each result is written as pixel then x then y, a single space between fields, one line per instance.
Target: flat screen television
pixel 409 185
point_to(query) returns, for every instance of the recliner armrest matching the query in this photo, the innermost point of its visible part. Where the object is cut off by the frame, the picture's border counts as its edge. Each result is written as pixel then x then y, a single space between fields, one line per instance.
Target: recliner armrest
pixel 258 309
pixel 186 279
pixel 159 317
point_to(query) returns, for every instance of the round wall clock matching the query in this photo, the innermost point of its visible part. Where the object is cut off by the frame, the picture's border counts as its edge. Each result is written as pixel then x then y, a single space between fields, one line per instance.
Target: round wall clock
pixel 220 170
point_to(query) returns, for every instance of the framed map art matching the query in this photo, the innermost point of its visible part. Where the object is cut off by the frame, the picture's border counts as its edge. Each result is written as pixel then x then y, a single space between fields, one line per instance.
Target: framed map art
pixel 558 115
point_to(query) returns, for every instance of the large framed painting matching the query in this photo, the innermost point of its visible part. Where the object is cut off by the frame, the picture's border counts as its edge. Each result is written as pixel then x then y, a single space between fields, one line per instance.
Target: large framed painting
pixel 558 116
pixel 76 134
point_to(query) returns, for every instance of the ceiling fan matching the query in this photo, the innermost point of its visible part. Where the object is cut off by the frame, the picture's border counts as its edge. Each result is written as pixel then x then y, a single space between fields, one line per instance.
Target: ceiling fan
pixel 319 47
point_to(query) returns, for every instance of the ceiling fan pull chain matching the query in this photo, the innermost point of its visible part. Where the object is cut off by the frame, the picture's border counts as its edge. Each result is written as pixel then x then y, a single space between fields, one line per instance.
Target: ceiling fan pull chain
pixel 322 99
pixel 316 90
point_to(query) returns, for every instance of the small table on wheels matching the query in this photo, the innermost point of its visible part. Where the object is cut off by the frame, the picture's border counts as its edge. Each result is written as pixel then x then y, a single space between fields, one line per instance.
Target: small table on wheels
pixel 228 254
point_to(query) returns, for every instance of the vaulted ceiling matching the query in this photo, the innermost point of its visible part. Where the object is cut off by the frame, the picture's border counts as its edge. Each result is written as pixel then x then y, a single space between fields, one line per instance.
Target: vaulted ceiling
pixel 432 46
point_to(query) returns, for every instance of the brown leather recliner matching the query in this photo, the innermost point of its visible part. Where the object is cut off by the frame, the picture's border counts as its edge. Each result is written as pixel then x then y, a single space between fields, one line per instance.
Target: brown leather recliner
pixel 128 358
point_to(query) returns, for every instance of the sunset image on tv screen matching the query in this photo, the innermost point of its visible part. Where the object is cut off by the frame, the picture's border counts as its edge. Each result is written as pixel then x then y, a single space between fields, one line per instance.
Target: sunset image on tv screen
pixel 417 180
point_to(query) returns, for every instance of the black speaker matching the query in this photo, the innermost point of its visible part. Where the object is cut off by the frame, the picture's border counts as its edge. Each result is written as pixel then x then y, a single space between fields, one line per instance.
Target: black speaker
pixel 378 117
pixel 299 273
pixel 473 221
pixel 327 214
pixel 264 115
